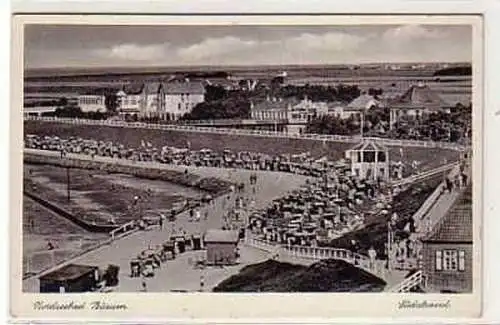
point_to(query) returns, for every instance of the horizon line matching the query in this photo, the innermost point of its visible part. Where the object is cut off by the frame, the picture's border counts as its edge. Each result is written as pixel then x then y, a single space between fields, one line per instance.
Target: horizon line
pixel 241 65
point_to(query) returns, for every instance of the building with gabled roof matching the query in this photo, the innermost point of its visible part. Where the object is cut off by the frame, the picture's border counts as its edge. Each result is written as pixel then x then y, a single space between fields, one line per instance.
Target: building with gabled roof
pixel 168 101
pixel 181 98
pixel 369 160
pixel 416 104
pixel 364 102
pixel 447 251
pixel 221 246
pixel 131 99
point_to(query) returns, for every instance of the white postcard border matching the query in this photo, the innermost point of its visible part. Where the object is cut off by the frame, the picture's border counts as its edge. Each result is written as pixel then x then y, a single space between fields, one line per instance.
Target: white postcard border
pixel 242 306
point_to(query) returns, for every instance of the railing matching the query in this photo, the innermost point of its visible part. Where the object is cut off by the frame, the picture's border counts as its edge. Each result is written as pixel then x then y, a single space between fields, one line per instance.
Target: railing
pixel 232 131
pixel 425 175
pixel 315 253
pixel 122 229
pixel 409 283
pixel 433 198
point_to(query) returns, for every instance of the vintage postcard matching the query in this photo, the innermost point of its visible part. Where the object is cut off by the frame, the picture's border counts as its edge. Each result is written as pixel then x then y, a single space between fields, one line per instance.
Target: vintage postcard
pixel 222 167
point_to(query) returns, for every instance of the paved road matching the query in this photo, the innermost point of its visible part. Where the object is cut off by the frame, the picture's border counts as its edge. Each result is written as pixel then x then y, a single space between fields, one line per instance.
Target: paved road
pixel 177 274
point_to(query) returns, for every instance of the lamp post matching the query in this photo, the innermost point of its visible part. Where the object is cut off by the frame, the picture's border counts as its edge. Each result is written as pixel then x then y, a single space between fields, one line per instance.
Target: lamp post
pixel 68 184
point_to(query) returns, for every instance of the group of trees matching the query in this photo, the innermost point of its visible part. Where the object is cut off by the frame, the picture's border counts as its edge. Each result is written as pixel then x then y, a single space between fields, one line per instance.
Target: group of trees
pixel 221 104
pixel 328 124
pixel 440 126
pixel 320 93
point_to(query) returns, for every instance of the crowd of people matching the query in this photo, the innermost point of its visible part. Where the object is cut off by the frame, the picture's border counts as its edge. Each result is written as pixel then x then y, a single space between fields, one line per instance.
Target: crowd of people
pixel 322 210
pixel 303 163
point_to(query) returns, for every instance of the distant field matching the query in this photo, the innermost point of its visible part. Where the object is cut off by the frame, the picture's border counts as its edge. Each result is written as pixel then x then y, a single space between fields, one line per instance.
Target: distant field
pixel 132 138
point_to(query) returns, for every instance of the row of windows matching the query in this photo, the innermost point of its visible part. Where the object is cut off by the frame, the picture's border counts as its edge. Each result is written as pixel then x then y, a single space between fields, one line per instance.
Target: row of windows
pixel 369 156
pixel 450 260
pixel 269 115
pixel 127 102
pixel 187 106
pixel 90 101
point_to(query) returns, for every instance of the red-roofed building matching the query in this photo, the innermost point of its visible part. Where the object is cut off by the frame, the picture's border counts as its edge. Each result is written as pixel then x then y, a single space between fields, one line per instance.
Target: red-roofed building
pixel 416 104
pixel 447 252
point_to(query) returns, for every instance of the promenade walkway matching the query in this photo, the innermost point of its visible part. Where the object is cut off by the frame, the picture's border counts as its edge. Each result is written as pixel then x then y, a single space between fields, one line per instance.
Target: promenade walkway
pixel 436 206
pixel 178 274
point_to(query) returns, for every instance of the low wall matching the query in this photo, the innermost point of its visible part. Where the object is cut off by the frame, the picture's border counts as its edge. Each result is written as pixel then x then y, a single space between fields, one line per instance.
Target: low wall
pixel 60 211
pixel 176 177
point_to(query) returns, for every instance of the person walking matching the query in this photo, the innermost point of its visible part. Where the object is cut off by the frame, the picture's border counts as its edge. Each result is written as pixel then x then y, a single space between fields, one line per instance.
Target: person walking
pixel 162 220
pixel 372 253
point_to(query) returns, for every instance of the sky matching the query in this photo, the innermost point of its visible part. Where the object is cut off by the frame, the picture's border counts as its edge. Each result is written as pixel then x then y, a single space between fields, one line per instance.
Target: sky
pixel 50 46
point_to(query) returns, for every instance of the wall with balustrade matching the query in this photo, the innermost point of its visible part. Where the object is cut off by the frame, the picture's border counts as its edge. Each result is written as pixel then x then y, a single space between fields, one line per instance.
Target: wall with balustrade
pixel 264 133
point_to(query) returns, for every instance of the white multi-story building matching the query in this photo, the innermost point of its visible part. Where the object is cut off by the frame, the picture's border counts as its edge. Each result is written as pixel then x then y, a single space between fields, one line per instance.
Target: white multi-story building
pixel 131 99
pixel 168 101
pixel 180 98
pixel 92 103
pixel 154 100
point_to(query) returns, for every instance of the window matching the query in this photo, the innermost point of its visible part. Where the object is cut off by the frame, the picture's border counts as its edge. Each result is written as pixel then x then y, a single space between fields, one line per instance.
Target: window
pixel 450 260
pixel 356 171
pixel 369 156
pixel 381 156
pixel 461 260
pixel 439 260
pixel 179 106
pixel 382 171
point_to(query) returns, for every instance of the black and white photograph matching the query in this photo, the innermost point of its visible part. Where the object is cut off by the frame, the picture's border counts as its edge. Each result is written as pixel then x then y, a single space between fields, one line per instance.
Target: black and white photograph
pixel 249 158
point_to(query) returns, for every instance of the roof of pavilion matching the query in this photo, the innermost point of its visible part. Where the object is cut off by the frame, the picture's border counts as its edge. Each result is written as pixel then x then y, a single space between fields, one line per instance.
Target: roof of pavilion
pixel 369 145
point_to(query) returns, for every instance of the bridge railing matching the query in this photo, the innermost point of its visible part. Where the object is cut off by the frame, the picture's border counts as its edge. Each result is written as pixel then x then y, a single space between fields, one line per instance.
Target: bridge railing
pixel 309 136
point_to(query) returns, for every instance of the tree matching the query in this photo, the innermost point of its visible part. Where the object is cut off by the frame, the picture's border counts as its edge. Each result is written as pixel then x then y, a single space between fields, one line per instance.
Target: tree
pixel 112 103
pixel 214 93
